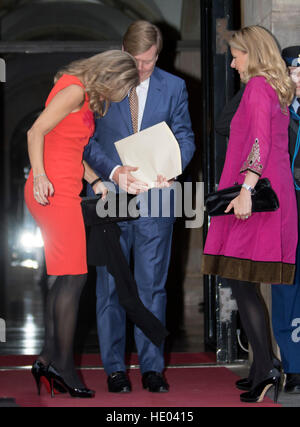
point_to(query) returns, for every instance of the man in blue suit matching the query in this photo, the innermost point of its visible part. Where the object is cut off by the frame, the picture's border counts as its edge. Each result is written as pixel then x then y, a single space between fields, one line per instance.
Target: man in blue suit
pixel 161 97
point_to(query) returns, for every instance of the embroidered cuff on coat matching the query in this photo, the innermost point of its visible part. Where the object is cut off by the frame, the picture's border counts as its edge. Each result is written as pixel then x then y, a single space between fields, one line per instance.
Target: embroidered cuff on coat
pixel 253 162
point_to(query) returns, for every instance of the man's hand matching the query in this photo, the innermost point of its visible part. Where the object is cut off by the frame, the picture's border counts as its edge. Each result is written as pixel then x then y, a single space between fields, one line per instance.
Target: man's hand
pixel 122 176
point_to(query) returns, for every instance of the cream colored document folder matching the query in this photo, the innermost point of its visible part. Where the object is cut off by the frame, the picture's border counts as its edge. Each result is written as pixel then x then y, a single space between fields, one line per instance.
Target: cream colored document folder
pixel 155 151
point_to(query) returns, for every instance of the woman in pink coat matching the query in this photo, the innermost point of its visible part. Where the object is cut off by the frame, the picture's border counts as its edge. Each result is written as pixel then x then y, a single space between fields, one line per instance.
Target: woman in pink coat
pixel 250 248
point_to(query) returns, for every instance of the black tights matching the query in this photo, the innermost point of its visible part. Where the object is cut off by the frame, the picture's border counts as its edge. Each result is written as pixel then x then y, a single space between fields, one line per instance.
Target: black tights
pixel 60 325
pixel 254 321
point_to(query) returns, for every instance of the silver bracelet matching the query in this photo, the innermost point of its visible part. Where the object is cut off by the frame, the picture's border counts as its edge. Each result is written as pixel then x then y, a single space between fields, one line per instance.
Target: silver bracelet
pixel 248 187
pixel 37 176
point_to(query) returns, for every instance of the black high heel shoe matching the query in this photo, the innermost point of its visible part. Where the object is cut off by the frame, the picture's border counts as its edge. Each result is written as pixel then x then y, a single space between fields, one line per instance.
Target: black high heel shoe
pixel 73 391
pixel 246 383
pixel 257 394
pixel 39 372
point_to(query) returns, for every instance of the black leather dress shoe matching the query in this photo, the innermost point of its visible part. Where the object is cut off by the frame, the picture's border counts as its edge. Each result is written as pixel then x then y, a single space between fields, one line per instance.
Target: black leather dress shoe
pixel 118 382
pixel 154 382
pixel 292 384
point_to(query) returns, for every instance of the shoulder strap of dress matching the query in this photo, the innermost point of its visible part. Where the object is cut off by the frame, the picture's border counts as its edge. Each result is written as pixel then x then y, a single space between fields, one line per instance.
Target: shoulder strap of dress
pixel 64 81
pixel 67 80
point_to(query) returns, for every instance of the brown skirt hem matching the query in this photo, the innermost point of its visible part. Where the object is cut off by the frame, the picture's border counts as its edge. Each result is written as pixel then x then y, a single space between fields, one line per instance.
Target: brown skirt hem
pixel 247 270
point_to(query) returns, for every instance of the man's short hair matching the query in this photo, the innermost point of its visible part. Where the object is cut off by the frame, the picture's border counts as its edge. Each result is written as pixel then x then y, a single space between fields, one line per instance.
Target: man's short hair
pixel 141 36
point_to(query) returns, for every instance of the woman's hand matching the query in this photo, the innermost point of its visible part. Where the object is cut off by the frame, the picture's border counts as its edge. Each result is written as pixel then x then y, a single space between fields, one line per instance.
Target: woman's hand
pixel 99 187
pixel 242 205
pixel 162 182
pixel 42 189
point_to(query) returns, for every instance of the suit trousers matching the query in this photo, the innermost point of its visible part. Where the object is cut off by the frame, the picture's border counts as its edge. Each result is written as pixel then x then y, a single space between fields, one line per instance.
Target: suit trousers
pixel 149 240
pixel 286 320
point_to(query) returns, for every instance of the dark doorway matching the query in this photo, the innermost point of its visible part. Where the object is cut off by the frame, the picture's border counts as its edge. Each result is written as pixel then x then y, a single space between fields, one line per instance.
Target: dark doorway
pixel 219 84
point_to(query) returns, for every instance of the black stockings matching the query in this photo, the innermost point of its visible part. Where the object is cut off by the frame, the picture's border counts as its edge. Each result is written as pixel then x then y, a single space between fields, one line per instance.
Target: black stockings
pixel 253 317
pixel 60 325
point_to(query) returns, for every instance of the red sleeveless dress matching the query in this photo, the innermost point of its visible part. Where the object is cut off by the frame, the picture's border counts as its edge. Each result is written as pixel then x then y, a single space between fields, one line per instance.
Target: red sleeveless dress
pixel 61 221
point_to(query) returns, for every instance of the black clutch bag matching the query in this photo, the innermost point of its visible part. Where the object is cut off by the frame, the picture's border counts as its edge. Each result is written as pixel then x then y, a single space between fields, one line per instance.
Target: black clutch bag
pixel 264 199
pixel 115 207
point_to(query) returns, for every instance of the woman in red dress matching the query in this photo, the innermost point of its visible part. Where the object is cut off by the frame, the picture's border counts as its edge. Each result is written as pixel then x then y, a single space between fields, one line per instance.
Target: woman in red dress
pixel 55 145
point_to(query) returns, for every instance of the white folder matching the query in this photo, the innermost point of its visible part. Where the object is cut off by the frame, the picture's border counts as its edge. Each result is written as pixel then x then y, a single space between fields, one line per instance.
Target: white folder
pixel 155 151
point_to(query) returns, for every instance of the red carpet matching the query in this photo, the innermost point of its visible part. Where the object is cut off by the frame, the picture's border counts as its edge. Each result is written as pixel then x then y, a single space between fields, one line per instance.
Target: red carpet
pixel 95 359
pixel 189 387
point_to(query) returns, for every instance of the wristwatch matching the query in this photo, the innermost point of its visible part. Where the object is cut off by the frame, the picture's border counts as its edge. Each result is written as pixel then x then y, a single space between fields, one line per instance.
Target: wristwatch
pixel 248 187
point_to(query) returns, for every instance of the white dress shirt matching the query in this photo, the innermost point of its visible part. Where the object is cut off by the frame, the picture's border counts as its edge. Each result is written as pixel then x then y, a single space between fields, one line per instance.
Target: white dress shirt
pixel 142 92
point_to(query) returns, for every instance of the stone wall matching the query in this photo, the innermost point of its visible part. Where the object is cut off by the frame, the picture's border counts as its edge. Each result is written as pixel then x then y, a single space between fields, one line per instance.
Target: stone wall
pixel 279 16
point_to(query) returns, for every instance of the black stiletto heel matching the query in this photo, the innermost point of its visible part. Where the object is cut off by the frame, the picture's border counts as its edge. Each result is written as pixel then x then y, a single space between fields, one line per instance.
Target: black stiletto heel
pixel 258 393
pixel 53 375
pixel 37 371
pixel 51 387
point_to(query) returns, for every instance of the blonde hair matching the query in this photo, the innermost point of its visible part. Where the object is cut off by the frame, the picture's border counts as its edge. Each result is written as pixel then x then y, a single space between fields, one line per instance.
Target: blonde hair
pixel 109 74
pixel 264 59
pixel 141 36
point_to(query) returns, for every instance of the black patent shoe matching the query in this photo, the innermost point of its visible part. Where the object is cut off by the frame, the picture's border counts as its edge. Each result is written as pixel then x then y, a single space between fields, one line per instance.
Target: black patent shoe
pixel 118 382
pixel 277 364
pixel 154 382
pixel 54 376
pixel 39 372
pixel 257 394
pixel 292 384
pixel 244 384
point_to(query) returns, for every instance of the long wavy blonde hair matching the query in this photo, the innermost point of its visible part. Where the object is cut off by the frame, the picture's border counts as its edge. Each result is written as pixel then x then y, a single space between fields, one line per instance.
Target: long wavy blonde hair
pixel 109 74
pixel 264 60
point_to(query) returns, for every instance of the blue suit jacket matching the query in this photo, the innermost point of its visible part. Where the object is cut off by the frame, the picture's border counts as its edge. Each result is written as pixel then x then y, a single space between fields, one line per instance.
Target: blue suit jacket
pixel 167 100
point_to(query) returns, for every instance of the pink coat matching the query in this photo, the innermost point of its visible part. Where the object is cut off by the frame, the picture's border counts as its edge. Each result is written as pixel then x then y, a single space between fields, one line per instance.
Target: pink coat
pixel 258 142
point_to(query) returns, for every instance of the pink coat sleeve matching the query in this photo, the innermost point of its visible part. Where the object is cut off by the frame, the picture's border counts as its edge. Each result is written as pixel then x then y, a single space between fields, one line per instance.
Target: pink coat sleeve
pixel 258 103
